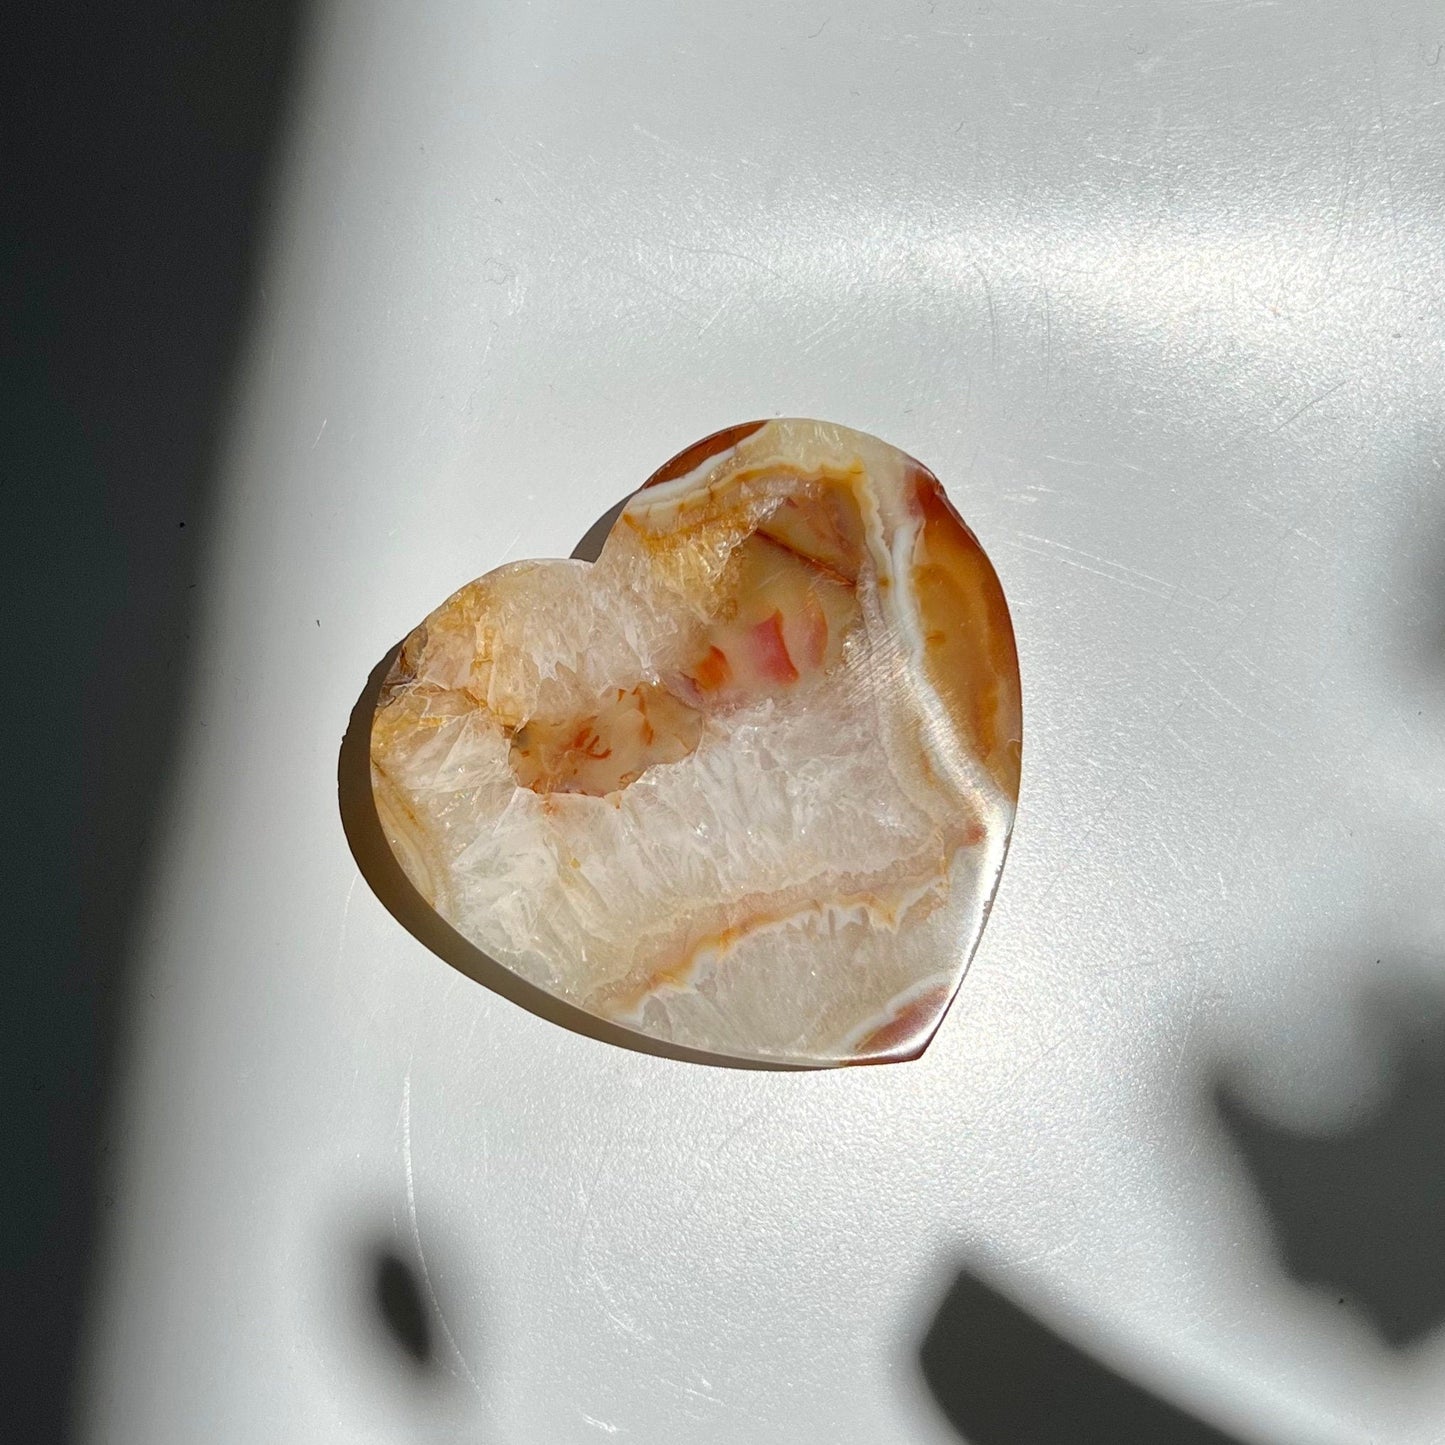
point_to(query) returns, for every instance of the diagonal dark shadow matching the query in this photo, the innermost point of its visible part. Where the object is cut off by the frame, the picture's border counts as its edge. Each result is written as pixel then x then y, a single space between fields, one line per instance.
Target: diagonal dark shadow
pixel 1003 1377
pixel 1360 1212
pixel 404 1311
pixel 134 174
pixel 412 1320
pixel 390 884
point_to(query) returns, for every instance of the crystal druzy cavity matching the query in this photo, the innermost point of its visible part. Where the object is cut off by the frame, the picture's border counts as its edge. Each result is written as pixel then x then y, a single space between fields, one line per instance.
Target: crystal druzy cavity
pixel 745 783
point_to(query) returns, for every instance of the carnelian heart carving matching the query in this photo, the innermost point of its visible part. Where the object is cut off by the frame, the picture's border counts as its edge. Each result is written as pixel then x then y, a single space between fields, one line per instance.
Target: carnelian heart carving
pixel 743 785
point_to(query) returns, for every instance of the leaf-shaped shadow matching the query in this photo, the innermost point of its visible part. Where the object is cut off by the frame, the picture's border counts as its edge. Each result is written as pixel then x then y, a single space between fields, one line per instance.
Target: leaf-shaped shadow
pixel 402 1308
pixel 420 1312
pixel 1003 1377
pixel 1361 1211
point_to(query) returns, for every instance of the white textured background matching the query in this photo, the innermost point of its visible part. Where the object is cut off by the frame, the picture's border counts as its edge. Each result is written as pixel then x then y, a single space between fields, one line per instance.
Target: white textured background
pixel 1157 289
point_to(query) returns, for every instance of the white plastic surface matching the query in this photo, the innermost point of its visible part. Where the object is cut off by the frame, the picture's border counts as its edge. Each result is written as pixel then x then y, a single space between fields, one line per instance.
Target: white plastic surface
pixel 1157 289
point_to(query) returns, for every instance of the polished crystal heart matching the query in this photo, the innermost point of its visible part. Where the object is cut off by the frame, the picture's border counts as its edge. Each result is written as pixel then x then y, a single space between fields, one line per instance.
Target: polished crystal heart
pixel 744 784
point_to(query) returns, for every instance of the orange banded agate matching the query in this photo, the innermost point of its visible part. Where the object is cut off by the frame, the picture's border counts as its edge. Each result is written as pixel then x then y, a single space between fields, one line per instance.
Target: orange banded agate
pixel 743 785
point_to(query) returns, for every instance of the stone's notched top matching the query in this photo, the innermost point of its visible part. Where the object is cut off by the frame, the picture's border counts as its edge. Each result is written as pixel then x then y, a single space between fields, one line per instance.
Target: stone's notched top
pixel 744 784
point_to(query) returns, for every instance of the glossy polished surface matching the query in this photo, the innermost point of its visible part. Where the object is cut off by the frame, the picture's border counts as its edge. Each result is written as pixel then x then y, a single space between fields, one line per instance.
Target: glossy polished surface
pixel 1156 288
pixel 745 783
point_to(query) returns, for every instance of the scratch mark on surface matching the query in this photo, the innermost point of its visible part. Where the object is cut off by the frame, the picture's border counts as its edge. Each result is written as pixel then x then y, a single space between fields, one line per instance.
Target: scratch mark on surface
pixel 707 325
pixel 477 1017
pixel 731 1136
pixel 584 1225
pixel 1050 1251
pixel 416 1231
pixel 1288 525
pixel 1341 209
pixel 1229 702
pixel 1271 676
pixel 1387 169
pixel 992 317
pixel 713 1154
pixel 683 305
pixel 623 1324
pixel 345 916
pixel 730 255
pixel 1170 855
pixel 816 336
pixel 1048 334
pixel 1191 1017
pixel 1033 1064
pixel 1111 462
pixel 599 1424
pixel 317 437
pixel 1310 405
pixel 1109 571
pixel 525 166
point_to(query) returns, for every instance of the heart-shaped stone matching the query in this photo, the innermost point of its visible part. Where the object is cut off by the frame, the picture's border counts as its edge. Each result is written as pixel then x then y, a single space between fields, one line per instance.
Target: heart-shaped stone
pixel 744 785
